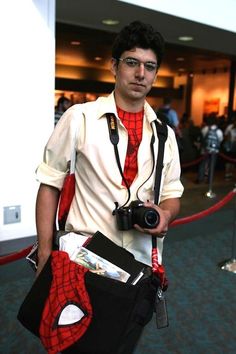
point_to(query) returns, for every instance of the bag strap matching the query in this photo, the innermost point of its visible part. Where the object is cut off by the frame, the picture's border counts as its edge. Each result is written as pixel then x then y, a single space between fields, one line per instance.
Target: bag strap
pixel 162 133
pixel 68 189
pixel 158 269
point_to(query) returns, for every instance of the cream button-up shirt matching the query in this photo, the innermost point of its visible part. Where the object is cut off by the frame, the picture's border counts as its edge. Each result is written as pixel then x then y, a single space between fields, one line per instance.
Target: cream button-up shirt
pixel 98 180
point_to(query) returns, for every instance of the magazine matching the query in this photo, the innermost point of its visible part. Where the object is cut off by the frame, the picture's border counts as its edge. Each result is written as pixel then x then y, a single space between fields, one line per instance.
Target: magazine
pixel 98 265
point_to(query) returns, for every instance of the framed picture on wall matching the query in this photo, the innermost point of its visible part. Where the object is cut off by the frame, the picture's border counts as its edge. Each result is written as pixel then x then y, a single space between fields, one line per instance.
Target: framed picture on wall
pixel 211 106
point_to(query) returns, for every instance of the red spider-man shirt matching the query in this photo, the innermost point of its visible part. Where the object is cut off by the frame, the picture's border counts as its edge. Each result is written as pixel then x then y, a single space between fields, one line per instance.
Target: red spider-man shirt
pixel 133 122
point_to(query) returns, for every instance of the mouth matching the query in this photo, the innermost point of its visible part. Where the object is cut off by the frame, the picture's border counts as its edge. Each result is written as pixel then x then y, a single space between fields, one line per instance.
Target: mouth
pixel 137 84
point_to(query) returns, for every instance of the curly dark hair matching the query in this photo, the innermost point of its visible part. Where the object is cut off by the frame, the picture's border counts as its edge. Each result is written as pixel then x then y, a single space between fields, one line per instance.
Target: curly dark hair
pixel 140 35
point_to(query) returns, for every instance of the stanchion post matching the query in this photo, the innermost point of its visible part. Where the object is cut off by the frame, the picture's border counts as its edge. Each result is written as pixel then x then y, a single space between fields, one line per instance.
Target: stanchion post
pixel 234 237
pixel 210 194
pixel 230 264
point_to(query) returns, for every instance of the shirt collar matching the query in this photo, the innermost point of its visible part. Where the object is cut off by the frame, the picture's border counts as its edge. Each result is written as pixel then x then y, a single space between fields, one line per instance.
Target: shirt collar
pixel 108 105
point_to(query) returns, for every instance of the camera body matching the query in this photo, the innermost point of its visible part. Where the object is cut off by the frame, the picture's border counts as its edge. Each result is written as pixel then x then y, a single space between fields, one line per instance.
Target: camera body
pixel 136 213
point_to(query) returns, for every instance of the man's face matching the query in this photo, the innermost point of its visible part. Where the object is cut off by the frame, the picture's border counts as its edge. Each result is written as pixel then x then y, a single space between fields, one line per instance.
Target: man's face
pixel 134 80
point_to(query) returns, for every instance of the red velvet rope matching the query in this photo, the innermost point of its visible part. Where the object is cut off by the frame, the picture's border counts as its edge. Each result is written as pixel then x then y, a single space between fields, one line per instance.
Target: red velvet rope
pixel 15 256
pixel 192 163
pixel 23 253
pixel 199 159
pixel 231 159
pixel 206 212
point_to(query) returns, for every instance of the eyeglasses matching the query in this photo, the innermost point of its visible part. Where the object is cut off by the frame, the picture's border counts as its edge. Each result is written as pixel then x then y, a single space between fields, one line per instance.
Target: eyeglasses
pixel 134 63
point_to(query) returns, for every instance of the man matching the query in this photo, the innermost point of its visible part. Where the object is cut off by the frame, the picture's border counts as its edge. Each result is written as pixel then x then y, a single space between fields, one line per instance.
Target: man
pixel 170 117
pixel 170 113
pixel 136 57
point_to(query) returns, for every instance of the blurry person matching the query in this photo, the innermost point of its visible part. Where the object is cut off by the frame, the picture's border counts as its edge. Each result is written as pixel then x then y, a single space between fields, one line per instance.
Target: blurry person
pixel 63 104
pixel 211 140
pixel 170 117
pixel 229 147
pixel 169 112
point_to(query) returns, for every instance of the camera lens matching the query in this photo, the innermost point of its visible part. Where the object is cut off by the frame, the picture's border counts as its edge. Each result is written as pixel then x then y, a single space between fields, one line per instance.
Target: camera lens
pixel 148 218
pixel 151 218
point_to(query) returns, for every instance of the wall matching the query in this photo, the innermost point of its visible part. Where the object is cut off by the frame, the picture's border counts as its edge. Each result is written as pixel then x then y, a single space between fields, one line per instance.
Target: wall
pixel 205 87
pixel 27 112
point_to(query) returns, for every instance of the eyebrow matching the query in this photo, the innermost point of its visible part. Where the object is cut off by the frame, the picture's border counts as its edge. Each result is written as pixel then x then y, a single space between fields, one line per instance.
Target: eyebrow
pixel 147 61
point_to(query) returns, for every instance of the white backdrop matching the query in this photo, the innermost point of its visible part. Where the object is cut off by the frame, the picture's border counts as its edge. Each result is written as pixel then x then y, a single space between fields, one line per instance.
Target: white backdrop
pixel 27 104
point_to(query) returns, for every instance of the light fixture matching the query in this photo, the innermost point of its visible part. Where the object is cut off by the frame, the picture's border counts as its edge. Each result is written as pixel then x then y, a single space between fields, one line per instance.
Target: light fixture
pixel 97 58
pixel 110 22
pixel 75 42
pixel 185 38
pixel 180 59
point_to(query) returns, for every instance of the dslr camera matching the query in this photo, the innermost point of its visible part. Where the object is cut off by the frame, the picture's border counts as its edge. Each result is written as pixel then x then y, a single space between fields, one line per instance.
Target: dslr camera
pixel 136 213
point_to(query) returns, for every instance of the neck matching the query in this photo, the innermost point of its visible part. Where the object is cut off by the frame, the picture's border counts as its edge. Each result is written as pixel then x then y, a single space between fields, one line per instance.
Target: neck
pixel 129 105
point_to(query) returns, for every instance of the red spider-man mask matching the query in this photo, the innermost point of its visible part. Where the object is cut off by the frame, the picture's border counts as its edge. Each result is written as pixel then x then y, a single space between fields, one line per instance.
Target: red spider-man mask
pixel 68 311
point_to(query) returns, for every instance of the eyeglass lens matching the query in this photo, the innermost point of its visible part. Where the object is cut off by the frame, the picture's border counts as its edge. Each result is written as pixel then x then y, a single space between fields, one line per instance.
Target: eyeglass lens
pixel 133 62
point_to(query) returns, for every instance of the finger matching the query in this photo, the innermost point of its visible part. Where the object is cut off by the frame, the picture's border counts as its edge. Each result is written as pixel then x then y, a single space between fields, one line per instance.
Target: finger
pixel 162 234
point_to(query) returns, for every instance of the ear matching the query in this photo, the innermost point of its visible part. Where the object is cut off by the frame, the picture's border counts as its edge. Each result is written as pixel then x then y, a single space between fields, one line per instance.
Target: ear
pixel 155 78
pixel 113 66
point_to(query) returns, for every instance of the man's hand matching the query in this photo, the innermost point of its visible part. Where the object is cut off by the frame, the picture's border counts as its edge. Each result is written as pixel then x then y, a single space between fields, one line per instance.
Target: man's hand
pixel 167 211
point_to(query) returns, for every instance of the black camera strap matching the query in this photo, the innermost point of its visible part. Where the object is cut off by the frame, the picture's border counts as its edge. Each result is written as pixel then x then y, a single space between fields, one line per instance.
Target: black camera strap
pixel 158 269
pixel 114 137
pixel 162 133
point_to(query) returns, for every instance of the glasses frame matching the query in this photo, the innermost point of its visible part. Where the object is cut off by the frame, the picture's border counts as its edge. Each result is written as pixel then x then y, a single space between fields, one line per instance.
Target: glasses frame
pixel 131 62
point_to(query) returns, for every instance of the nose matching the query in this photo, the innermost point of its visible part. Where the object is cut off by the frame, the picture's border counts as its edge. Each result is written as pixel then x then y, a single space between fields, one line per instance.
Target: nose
pixel 140 71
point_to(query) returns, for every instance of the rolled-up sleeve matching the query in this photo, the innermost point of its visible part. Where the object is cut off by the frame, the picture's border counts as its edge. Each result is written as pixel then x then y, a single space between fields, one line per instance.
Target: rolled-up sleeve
pixel 49 175
pixel 57 153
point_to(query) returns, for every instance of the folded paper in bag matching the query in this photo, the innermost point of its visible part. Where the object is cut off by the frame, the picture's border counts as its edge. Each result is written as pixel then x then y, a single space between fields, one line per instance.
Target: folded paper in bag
pixel 72 241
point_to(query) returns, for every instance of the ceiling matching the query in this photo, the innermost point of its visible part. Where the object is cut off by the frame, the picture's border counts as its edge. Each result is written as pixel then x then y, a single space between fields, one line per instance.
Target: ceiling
pixel 81 20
